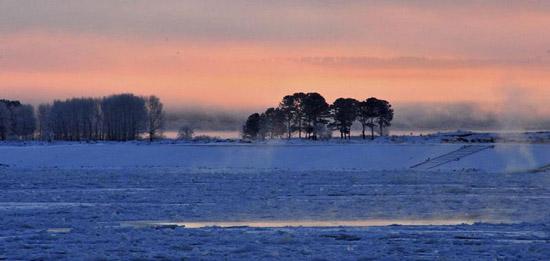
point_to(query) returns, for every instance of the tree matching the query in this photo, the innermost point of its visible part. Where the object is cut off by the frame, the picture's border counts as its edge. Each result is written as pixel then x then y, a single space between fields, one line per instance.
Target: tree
pixel 118 117
pixel 5 121
pixel 292 107
pixel 124 117
pixel 251 128
pixel 60 120
pixel 155 116
pixel 288 108
pixel 45 131
pixel 385 115
pixel 374 112
pixel 299 114
pixel 73 119
pixel 315 111
pixel 16 120
pixel 272 123
pixel 185 133
pixel 367 113
pixel 24 123
pixel 8 118
pixel 344 113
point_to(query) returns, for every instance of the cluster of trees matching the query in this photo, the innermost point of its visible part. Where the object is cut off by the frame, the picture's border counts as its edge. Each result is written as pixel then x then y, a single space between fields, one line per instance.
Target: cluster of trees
pixel 309 115
pixel 16 120
pixel 119 117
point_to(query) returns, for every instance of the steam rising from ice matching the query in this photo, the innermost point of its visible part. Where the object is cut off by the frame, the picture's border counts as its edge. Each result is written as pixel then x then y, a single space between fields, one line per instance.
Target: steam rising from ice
pixel 515 108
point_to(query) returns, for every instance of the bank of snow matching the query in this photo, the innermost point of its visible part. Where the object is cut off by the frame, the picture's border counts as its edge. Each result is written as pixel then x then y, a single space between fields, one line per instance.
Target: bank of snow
pixel 281 156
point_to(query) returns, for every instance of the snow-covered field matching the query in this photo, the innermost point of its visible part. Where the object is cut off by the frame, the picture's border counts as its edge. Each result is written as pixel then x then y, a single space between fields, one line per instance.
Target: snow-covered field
pixel 276 201
pixel 267 157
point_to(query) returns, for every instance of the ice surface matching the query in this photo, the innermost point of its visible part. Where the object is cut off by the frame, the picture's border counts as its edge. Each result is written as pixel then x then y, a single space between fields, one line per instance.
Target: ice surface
pixel 298 223
pixel 87 207
pixel 280 201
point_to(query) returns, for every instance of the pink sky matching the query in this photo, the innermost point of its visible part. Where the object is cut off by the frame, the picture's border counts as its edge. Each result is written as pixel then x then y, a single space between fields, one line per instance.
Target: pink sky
pixel 245 54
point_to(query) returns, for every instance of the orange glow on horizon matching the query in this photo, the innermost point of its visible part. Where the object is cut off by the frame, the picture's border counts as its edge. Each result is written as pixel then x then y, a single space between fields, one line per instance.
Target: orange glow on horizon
pixel 247 75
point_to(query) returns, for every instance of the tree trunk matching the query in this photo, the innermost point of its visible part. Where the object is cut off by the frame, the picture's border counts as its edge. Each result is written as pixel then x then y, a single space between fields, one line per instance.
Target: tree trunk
pixel 372 133
pixel 289 129
pixel 300 130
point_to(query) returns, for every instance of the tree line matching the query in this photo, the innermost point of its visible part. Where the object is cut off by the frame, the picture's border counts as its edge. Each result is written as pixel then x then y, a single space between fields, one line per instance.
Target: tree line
pixel 309 116
pixel 120 117
pixel 16 120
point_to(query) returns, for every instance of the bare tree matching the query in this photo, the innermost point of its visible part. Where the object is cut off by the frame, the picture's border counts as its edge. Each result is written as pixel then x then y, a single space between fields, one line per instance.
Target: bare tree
pixel 155 116
pixel 24 123
pixel 5 121
pixel 124 117
pixel 45 130
pixel 73 119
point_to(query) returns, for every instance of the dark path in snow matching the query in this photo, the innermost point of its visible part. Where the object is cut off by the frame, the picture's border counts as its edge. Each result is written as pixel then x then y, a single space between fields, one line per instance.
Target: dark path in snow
pixel 456 155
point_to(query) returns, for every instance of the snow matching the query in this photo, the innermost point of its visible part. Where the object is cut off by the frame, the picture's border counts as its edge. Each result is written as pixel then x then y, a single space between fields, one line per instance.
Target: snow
pixel 273 200
pixel 266 157
pixel 80 214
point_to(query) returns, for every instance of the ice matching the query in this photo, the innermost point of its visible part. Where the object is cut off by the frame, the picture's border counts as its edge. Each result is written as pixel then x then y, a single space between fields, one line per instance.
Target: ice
pixel 272 201
pixel 296 223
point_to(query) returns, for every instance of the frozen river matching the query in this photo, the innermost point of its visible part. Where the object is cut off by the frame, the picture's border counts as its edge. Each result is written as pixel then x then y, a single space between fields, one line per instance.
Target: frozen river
pixel 331 201
pixel 169 213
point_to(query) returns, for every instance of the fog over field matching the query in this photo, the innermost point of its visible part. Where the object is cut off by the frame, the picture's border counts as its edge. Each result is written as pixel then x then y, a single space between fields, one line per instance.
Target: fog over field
pixel 411 117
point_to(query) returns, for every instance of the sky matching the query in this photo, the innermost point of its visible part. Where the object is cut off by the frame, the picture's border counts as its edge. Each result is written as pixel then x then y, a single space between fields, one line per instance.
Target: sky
pixel 242 55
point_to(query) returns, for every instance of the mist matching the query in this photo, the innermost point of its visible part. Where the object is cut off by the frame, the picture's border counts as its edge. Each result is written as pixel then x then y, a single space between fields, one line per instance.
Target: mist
pixel 216 120
pixel 408 117
pixel 467 116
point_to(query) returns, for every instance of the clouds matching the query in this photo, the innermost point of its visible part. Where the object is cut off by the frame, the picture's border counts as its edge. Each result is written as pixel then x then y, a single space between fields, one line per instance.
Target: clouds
pixel 249 53
pixel 466 28
pixel 423 62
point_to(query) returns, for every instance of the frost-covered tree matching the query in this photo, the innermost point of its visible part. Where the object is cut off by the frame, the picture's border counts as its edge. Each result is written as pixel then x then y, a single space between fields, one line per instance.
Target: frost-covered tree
pixel 155 117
